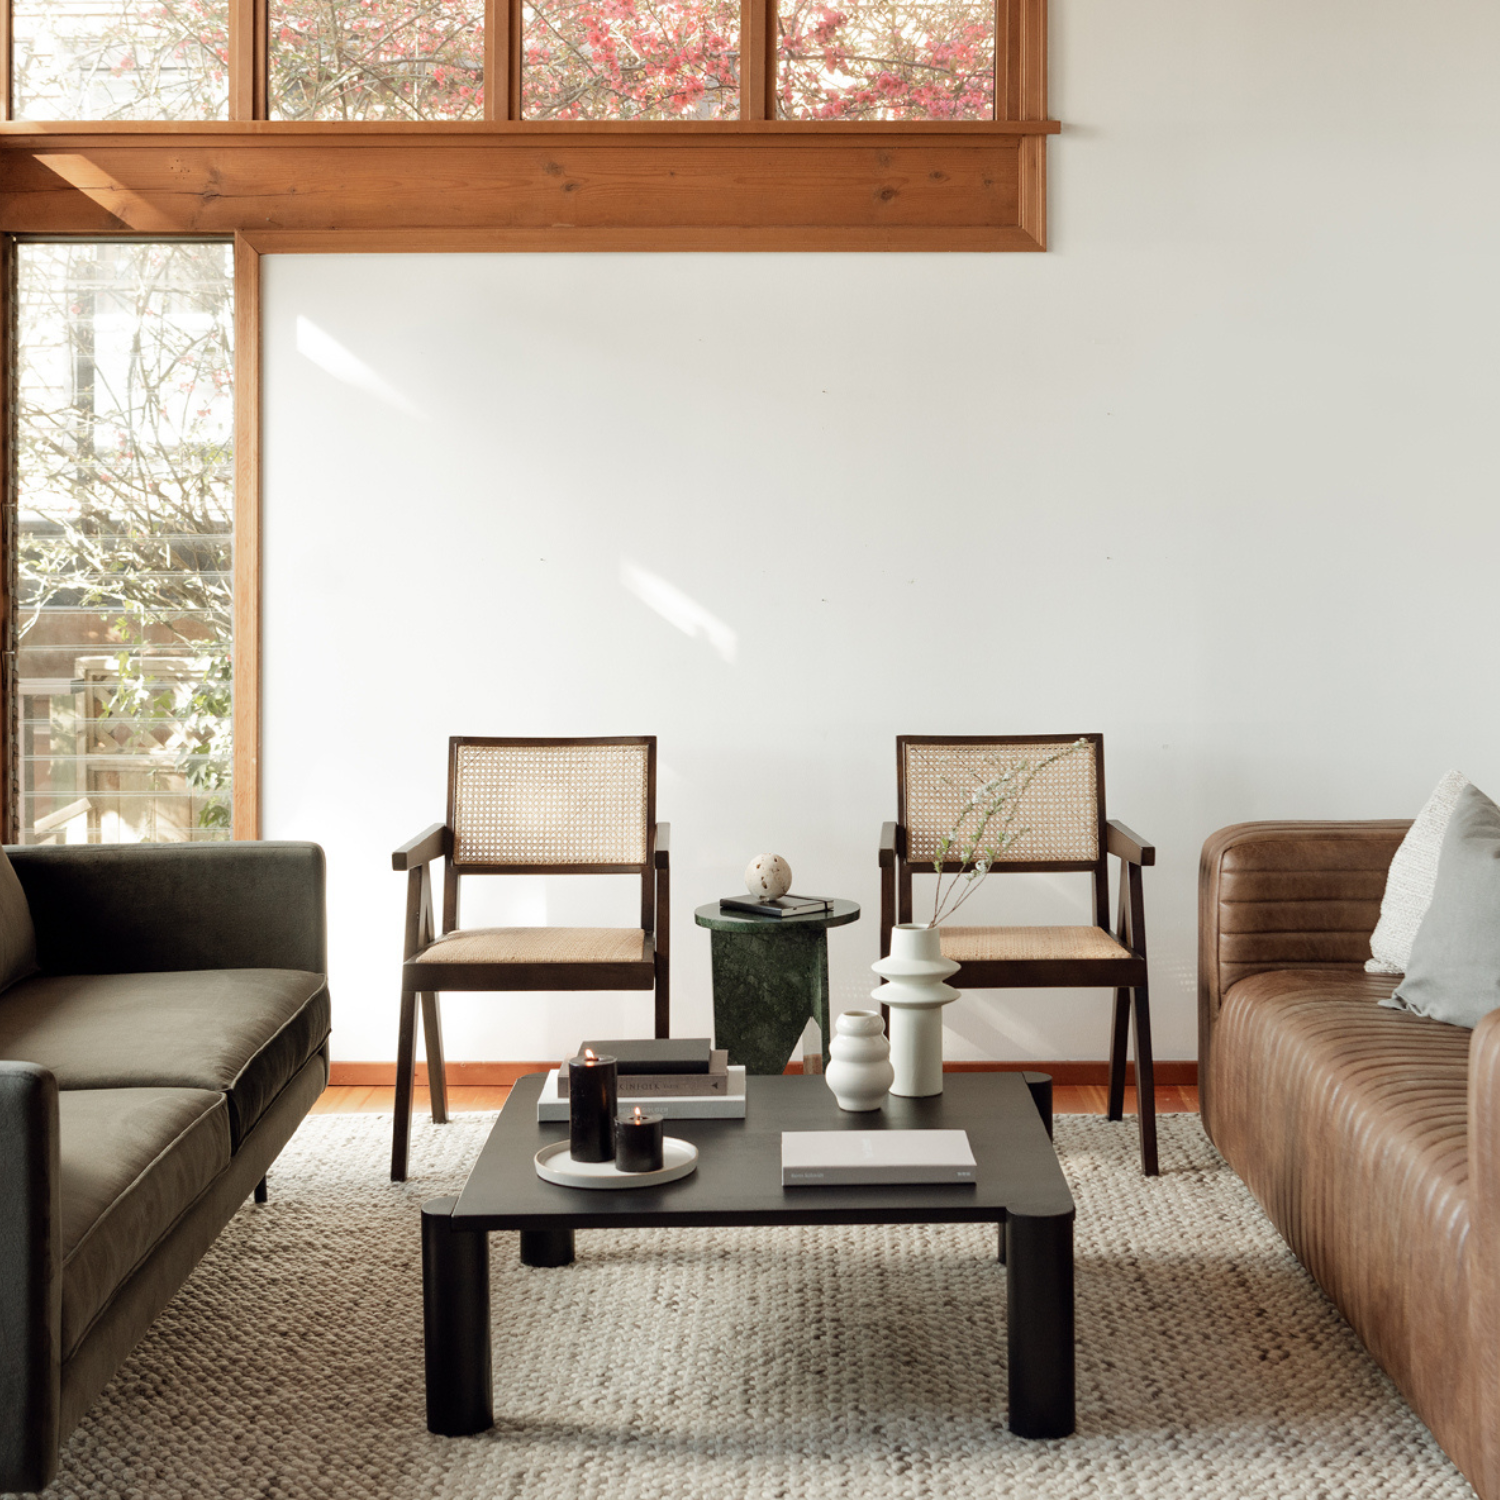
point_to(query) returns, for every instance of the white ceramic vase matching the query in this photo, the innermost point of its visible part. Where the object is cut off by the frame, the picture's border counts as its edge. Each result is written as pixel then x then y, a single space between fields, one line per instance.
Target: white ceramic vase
pixel 859 1061
pixel 916 994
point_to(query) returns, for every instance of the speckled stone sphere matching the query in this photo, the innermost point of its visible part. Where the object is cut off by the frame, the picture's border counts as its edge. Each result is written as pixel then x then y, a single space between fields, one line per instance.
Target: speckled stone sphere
pixel 768 876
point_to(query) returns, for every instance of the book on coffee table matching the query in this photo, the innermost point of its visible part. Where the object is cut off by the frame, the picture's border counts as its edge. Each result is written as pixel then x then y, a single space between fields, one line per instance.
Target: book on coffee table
pixel 666 1085
pixel 688 1054
pixel 730 1105
pixel 865 1158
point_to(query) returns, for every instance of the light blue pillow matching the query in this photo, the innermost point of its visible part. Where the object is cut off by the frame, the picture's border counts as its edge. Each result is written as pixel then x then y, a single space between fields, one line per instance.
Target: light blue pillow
pixel 1453 973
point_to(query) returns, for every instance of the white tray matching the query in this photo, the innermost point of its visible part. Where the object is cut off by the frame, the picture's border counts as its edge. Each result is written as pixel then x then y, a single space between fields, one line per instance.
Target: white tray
pixel 555 1163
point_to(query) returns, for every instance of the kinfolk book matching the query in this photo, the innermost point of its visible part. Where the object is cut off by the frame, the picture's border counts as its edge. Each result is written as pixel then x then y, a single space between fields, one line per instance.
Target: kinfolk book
pixel 867 1158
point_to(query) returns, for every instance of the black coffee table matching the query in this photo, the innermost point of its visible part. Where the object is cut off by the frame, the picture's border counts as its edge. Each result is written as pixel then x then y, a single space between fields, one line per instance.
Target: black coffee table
pixel 1020 1187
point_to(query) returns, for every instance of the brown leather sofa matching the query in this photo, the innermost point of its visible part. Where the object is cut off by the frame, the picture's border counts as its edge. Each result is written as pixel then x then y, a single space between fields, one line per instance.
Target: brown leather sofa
pixel 1371 1137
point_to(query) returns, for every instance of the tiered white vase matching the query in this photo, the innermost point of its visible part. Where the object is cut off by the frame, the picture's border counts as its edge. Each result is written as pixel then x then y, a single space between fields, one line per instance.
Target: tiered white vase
pixel 859 1061
pixel 916 994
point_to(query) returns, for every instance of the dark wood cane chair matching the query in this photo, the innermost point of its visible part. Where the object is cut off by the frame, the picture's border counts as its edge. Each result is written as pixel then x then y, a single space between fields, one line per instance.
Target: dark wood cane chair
pixel 1061 826
pixel 530 807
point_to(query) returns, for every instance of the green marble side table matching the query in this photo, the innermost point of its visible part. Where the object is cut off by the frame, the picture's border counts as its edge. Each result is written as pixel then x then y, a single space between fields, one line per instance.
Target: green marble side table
pixel 770 978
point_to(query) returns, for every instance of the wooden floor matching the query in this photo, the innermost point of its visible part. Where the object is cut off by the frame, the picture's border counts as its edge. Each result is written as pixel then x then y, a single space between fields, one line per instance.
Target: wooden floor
pixel 1065 1101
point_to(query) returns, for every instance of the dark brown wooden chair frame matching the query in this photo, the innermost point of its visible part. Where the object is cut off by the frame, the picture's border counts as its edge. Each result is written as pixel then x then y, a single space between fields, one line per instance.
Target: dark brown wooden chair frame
pixel 1126 976
pixel 425 981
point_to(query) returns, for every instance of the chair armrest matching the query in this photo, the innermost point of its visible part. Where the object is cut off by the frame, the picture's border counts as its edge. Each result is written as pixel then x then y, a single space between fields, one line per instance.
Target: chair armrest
pixel 430 844
pixel 1284 896
pixel 887 845
pixel 148 908
pixel 30 1277
pixel 1131 847
pixel 663 845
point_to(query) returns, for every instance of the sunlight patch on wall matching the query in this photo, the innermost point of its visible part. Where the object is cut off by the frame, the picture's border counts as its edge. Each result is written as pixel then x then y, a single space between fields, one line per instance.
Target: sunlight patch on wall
pixel 678 609
pixel 334 359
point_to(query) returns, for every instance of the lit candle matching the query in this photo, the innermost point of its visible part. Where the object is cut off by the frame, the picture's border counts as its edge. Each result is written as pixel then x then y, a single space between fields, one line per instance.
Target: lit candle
pixel 638 1143
pixel 592 1103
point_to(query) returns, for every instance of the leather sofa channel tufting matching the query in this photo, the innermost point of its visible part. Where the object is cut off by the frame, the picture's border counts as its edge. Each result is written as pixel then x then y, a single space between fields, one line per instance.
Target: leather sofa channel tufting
pixel 169 1045
pixel 1371 1137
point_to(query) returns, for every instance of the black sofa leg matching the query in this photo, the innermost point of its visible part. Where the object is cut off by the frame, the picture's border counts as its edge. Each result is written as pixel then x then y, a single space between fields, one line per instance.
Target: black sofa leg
pixel 260 1191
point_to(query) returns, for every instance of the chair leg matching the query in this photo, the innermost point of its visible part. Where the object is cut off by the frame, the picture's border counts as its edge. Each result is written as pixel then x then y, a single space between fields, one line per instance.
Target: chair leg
pixel 1120 1036
pixel 437 1077
pixel 406 1067
pixel 663 1001
pixel 1145 1082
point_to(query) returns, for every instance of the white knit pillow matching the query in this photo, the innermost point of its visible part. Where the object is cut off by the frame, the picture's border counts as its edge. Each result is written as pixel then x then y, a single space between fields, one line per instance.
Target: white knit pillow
pixel 1408 886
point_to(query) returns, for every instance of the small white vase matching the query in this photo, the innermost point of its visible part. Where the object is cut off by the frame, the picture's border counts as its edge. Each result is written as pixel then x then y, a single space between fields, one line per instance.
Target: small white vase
pixel 916 994
pixel 859 1066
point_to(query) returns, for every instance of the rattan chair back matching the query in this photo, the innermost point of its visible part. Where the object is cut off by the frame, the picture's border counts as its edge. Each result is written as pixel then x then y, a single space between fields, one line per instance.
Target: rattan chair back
pixel 1057 823
pixel 554 806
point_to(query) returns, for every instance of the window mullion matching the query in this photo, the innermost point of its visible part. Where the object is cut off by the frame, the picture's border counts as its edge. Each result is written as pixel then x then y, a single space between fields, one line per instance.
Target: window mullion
pixel 1033 68
pixel 513 41
pixel 5 59
pixel 245 780
pixel 757 59
pixel 508 55
pixel 248 48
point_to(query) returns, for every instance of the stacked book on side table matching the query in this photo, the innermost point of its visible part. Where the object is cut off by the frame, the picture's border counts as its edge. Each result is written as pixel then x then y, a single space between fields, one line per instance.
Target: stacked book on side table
pixel 776 906
pixel 679 1078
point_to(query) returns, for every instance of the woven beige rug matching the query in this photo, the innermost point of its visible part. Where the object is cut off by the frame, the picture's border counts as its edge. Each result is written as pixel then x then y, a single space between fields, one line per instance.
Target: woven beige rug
pixel 751 1363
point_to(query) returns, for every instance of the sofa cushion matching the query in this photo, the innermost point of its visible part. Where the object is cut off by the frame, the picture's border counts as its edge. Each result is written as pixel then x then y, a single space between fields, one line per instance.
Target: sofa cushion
pixel 1453 973
pixel 1349 1124
pixel 132 1160
pixel 1409 881
pixel 17 935
pixel 242 1032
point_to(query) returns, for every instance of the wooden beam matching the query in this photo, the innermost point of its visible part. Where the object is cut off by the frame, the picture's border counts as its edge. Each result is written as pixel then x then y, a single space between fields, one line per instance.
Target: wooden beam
pixel 781 189
pixel 581 241
pixel 247 522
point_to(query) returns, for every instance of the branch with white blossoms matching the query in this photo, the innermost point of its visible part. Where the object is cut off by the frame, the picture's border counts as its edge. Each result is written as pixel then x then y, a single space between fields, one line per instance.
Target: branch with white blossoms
pixel 985 828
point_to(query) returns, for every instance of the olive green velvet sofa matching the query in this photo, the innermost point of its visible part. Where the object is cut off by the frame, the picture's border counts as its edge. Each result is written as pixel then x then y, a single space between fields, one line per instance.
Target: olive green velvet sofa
pixel 164 1020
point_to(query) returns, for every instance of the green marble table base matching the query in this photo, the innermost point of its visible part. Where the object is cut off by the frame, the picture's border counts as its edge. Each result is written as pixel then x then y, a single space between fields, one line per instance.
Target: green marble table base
pixel 767 985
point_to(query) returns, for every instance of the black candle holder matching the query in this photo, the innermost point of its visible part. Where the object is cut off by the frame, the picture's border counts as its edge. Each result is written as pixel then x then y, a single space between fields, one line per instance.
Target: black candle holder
pixel 638 1143
pixel 593 1099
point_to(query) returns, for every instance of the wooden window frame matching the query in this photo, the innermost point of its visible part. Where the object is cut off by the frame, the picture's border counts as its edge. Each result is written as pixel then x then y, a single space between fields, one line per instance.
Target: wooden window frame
pixel 245 650
pixel 503 183
pixel 500 184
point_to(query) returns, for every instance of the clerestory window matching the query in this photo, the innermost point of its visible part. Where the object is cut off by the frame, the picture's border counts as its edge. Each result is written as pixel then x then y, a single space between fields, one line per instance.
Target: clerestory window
pixel 540 60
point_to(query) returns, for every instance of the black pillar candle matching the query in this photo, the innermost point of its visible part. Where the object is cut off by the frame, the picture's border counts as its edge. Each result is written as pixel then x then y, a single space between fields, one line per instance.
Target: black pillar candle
pixel 638 1143
pixel 592 1102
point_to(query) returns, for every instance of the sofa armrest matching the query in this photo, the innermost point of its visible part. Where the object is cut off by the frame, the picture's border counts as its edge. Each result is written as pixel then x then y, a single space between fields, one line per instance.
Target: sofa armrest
pixel 1482 1247
pixel 30 1277
pixel 144 908
pixel 1293 895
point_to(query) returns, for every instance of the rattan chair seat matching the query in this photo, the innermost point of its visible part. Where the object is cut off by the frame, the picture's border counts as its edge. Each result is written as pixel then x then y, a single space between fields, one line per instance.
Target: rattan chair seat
pixel 1028 944
pixel 539 945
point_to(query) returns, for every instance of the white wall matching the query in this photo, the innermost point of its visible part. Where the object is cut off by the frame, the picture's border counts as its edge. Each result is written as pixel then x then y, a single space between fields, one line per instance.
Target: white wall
pixel 1216 476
